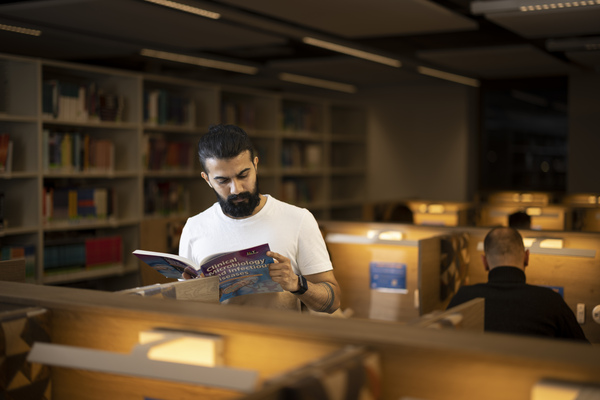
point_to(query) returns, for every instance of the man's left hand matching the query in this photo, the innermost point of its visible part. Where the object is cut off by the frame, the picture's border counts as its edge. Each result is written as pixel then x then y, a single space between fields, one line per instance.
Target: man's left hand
pixel 281 272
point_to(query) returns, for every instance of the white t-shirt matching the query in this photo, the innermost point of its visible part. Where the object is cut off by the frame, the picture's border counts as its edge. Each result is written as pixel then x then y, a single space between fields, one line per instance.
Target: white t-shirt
pixel 289 230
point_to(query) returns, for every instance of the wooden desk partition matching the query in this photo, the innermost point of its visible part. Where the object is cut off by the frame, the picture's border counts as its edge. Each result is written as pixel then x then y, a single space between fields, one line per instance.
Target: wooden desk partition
pixel 466 316
pixel 434 266
pixel 415 362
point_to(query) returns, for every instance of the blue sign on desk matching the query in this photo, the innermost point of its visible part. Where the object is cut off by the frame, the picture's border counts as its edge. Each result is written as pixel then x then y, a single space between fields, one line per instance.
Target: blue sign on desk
pixel 388 276
pixel 558 289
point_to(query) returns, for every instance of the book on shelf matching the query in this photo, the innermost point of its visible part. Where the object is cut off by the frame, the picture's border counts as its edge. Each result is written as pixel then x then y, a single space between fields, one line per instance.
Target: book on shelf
pixel 66 152
pixel 165 197
pixel 162 154
pixel 103 251
pixel 80 102
pixel 164 108
pixel 6 149
pixel 240 272
pixel 16 251
pixel 78 203
pixel 71 254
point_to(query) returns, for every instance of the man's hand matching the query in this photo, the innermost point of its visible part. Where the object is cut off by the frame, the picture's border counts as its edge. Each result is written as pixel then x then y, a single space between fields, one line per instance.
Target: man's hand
pixel 281 272
pixel 323 292
pixel 190 273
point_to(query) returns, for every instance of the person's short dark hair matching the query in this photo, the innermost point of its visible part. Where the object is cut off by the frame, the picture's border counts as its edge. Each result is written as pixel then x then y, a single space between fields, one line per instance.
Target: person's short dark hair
pixel 519 220
pixel 222 142
pixel 502 240
pixel 401 213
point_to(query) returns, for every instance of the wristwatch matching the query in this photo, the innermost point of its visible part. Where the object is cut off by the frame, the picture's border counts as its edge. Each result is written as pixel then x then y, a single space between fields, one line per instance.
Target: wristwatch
pixel 302 285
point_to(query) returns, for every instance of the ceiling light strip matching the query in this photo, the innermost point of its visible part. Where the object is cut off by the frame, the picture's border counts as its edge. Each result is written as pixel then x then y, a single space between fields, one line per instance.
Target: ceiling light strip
pixel 448 76
pixel 498 6
pixel 352 52
pixel 200 61
pixel 186 8
pixel 558 5
pixel 18 29
pixel 322 83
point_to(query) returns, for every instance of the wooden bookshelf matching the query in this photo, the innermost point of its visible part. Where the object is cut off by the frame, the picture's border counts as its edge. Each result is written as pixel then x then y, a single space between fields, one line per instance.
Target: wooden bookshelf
pixel 44 102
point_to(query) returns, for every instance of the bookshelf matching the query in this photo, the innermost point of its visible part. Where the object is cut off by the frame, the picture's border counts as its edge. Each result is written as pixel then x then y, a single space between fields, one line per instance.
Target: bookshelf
pixel 100 153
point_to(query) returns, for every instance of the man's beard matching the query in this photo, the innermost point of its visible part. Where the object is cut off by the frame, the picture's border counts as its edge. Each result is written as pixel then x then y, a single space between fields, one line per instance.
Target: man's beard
pixel 241 209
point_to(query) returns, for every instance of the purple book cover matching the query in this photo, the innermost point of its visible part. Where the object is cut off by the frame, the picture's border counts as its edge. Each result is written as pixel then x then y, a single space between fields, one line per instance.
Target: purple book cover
pixel 242 272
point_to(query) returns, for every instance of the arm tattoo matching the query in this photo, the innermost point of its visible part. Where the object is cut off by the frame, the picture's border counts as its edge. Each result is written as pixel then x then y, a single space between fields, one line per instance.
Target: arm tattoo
pixel 330 297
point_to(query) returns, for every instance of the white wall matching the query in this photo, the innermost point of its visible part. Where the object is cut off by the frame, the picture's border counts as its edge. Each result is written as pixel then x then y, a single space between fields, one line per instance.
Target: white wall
pixel 583 171
pixel 421 142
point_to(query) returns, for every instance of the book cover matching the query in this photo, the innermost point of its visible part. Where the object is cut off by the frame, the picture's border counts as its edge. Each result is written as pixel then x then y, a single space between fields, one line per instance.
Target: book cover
pixel 240 272
pixel 169 265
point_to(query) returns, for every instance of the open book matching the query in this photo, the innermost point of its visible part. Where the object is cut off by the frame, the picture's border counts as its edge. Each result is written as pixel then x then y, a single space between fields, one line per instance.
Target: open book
pixel 240 272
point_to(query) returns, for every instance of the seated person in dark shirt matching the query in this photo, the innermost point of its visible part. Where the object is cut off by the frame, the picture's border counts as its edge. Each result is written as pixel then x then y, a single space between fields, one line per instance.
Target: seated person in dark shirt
pixel 511 305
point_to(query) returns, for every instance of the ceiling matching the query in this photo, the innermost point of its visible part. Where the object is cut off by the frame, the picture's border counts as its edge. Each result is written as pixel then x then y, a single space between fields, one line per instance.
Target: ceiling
pixel 456 36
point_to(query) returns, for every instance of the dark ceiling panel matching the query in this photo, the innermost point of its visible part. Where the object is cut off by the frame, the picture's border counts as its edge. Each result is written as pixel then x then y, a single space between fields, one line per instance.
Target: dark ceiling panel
pixel 498 62
pixel 267 33
pixel 552 23
pixel 347 70
pixel 361 19
pixel 137 22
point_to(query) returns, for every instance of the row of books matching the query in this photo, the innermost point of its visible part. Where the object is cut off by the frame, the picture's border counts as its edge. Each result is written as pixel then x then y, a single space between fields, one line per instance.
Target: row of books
pixel 238 113
pixel 6 153
pixel 76 204
pixel 301 118
pixel 297 191
pixel 77 254
pixel 26 251
pixel 160 153
pixel 72 101
pixel 301 155
pixel 164 108
pixel 165 198
pixel 76 152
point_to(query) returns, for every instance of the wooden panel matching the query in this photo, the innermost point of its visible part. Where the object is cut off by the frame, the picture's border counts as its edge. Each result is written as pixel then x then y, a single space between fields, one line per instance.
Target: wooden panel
pixel 351 267
pixel 415 362
pixel 429 275
pixel 12 270
pixel 202 289
pixel 470 317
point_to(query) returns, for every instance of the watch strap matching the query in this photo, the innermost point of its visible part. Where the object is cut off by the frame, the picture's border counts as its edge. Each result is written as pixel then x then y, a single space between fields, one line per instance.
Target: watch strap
pixel 302 285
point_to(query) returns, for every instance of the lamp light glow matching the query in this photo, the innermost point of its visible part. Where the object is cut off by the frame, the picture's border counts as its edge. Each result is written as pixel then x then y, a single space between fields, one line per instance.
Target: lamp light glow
pixel 534 211
pixel 527 197
pixel 391 235
pixel 183 347
pixel 528 242
pixel 436 209
pixel 551 243
pixel 200 61
pixel 352 52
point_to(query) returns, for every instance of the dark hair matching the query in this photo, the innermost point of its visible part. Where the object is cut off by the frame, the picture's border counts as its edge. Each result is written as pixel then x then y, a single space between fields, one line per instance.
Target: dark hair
pixel 519 220
pixel 502 240
pixel 223 141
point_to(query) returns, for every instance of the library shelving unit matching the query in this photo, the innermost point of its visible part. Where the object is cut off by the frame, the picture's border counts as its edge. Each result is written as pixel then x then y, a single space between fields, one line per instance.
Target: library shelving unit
pixel 98 155
pixel 175 114
pixel 347 150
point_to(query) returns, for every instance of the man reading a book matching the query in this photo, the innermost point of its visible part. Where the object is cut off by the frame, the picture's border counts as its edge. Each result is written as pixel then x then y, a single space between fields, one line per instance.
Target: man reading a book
pixel 243 217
